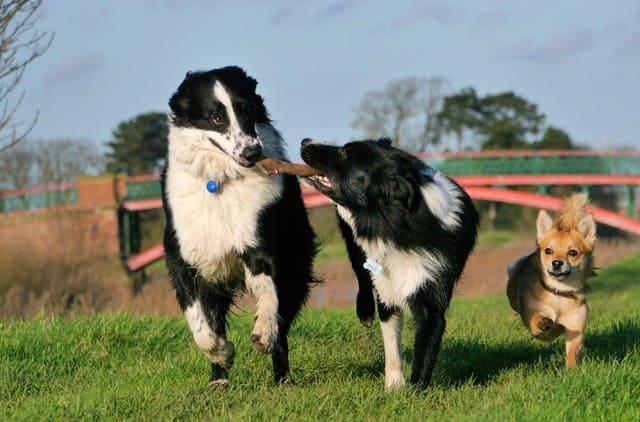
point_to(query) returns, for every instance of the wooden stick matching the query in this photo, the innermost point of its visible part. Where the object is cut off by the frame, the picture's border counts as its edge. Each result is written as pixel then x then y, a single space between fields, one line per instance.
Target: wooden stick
pixel 275 166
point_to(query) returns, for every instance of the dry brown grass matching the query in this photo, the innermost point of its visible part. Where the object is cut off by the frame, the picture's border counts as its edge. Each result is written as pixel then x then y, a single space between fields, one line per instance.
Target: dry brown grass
pixel 57 263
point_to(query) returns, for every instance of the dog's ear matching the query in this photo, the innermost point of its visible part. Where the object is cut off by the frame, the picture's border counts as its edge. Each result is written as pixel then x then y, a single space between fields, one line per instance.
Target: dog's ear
pixel 262 116
pixel 179 102
pixel 401 189
pixel 543 224
pixel 587 227
pixel 258 103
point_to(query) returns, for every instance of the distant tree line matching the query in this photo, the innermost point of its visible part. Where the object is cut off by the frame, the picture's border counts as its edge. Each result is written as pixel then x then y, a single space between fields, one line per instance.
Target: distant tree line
pixel 55 161
pixel 423 113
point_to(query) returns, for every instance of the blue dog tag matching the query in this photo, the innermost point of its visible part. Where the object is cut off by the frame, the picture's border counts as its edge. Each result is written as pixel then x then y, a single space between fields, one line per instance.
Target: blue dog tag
pixel 373 266
pixel 213 186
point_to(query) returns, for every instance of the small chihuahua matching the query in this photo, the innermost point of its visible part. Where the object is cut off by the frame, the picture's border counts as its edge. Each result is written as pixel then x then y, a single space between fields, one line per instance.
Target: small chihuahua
pixel 548 287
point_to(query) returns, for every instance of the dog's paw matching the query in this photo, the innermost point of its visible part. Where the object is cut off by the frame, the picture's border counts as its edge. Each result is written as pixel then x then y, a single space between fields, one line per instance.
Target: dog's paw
pixel 367 321
pixel 219 384
pixel 264 334
pixel 284 380
pixel 545 324
pixel 394 380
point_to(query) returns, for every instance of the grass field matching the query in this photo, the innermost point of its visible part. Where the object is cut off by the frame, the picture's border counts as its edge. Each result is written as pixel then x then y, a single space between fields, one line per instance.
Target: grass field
pixel 122 367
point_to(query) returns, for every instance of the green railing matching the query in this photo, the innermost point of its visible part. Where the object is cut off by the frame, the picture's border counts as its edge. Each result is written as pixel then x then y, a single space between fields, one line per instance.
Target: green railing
pixel 468 166
pixel 143 187
pixel 38 198
pixel 476 164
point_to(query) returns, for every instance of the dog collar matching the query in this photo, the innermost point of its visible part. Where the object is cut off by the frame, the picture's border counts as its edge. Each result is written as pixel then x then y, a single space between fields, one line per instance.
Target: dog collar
pixel 212 186
pixel 572 294
pixel 373 266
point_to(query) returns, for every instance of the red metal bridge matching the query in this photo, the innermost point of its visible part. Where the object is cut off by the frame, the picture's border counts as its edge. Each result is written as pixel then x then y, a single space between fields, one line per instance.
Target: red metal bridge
pixel 488 176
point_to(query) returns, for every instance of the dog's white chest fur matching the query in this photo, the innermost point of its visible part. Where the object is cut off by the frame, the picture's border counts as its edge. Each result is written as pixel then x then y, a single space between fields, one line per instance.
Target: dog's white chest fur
pixel 213 228
pixel 401 273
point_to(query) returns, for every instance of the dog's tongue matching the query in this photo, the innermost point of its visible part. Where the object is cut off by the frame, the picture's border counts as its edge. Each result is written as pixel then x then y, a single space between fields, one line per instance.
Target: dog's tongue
pixel 275 166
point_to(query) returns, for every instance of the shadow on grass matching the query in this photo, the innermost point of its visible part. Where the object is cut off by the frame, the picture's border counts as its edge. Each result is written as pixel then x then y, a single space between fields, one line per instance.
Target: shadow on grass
pixel 476 362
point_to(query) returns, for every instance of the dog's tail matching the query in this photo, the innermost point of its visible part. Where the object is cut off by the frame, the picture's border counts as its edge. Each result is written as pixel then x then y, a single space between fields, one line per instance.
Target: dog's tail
pixel 572 212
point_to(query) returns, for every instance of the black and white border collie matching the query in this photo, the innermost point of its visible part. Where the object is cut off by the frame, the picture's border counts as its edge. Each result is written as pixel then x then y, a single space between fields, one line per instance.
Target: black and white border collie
pixel 408 230
pixel 229 225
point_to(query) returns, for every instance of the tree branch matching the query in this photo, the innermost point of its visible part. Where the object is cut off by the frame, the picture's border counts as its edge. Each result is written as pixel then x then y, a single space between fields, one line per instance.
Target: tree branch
pixel 20 45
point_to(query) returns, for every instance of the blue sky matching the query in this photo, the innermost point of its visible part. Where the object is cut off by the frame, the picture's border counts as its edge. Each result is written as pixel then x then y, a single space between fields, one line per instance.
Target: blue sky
pixel 314 60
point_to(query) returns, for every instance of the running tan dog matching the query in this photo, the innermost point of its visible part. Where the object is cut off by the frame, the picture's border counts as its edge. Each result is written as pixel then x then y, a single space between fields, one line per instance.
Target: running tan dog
pixel 548 287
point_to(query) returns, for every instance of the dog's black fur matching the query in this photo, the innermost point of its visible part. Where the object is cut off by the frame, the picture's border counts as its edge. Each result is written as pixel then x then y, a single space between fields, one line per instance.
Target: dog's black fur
pixel 285 246
pixel 380 186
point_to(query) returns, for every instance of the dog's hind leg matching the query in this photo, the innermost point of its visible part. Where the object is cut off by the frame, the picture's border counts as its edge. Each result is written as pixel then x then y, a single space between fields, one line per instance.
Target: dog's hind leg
pixel 391 326
pixel 430 325
pixel 291 297
pixel 280 358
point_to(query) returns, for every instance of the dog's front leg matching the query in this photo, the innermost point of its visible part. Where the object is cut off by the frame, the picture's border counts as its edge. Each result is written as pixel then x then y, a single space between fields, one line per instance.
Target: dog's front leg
pixel 539 321
pixel 265 328
pixel 206 317
pixel 205 309
pixel 365 302
pixel 575 340
pixel 574 323
pixel 391 325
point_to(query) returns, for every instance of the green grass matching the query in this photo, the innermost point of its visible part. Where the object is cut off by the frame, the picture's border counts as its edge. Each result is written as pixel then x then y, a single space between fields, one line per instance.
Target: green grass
pixel 498 237
pixel 122 367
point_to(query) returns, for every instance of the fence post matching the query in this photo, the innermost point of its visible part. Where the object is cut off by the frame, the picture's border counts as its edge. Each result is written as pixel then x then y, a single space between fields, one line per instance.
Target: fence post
pixel 585 189
pixel 630 199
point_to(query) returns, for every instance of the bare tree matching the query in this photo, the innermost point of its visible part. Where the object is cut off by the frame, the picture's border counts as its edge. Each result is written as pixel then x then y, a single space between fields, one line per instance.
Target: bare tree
pixel 17 167
pixel 63 160
pixel 436 89
pixel 44 162
pixel 403 111
pixel 20 44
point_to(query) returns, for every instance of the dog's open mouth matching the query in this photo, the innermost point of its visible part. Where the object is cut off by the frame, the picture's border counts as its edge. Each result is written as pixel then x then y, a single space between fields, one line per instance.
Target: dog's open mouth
pixel 320 182
pixel 559 274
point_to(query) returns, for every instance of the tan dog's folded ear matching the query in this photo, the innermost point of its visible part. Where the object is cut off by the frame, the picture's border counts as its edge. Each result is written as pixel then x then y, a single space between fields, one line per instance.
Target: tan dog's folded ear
pixel 543 224
pixel 587 227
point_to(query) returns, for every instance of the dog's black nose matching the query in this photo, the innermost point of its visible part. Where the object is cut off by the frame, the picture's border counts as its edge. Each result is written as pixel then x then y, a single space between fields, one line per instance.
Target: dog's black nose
pixel 557 263
pixel 306 141
pixel 252 153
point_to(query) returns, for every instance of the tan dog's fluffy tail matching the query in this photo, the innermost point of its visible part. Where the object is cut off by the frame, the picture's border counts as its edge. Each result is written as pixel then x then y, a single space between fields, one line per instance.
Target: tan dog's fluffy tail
pixel 572 212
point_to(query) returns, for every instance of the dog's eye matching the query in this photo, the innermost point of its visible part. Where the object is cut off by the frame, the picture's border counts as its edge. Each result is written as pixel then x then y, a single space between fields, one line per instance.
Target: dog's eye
pixel 573 252
pixel 548 251
pixel 217 119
